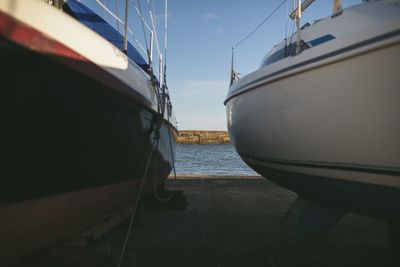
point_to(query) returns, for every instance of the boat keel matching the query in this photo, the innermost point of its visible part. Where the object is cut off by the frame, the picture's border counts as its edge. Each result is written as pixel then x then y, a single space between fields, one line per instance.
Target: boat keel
pixel 304 226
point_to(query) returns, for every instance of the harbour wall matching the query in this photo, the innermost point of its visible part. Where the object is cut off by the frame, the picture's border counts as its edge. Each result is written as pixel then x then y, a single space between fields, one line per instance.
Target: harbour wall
pixel 203 137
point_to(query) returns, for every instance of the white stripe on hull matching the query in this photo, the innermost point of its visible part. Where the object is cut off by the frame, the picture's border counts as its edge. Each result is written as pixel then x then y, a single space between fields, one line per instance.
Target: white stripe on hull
pixel 66 30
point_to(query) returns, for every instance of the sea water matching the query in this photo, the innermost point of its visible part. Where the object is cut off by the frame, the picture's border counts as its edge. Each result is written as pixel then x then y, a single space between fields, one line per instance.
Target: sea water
pixel 213 160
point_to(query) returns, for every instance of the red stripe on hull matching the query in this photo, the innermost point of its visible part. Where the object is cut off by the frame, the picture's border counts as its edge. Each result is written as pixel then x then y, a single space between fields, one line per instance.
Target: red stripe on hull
pixel 34 40
pixel 31 225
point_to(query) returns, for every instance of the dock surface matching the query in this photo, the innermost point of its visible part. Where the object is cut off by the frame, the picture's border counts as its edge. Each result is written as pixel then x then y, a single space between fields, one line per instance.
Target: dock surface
pixel 227 222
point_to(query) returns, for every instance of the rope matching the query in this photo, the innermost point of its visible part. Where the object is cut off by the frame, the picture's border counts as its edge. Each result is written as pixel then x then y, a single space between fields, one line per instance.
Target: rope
pixel 259 25
pixel 159 120
pixel 165 92
pixel 136 203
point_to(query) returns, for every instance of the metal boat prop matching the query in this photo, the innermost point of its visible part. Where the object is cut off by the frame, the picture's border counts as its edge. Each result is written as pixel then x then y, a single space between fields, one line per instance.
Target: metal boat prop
pixel 87 128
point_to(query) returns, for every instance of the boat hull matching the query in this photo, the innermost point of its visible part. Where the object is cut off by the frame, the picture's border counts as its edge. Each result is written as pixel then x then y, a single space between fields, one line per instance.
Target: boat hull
pixel 27 226
pixel 75 143
pixel 329 132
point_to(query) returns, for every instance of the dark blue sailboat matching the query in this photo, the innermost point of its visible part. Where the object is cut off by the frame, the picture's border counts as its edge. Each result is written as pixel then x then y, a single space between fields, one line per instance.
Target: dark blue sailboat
pixel 86 129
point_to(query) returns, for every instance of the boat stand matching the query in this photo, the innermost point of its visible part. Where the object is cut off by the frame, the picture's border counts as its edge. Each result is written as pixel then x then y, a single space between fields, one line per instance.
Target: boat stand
pixel 304 226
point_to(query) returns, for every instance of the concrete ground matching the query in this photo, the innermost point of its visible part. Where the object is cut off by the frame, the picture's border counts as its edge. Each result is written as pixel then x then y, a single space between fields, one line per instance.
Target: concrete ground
pixel 227 222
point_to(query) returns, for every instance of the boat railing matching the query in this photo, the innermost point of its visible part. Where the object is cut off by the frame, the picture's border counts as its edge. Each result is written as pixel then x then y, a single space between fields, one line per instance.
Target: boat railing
pixel 157 62
pixel 296 14
pixel 150 36
pixel 234 74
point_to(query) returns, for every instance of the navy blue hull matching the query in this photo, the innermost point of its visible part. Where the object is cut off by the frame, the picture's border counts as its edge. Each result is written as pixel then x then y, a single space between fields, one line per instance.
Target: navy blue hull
pixel 61 131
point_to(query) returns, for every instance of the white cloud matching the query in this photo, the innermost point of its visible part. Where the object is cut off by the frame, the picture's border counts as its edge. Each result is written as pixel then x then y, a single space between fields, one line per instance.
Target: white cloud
pixel 210 16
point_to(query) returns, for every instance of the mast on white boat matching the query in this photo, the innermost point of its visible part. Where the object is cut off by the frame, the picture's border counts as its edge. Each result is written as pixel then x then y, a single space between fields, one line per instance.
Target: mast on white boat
pixel 298 17
pixel 296 14
pixel 303 6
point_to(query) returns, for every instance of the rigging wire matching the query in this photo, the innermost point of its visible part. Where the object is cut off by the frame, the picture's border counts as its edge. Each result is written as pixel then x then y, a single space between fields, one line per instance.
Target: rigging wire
pixel 235 75
pixel 161 55
pixel 164 94
pixel 259 25
pixel 139 9
pixel 116 12
pixel 161 96
pixel 109 11
pixel 152 31
pixel 126 28
pixel 165 36
pixel 135 204
pixel 153 24
pixel 119 21
pixel 142 18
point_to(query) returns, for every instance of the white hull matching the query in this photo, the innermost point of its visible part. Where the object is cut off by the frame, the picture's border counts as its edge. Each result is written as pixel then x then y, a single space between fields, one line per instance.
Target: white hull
pixel 326 116
pixel 334 119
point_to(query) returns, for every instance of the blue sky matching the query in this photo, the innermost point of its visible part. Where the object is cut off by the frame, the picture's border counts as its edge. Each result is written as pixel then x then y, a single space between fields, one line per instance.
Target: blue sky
pixel 200 36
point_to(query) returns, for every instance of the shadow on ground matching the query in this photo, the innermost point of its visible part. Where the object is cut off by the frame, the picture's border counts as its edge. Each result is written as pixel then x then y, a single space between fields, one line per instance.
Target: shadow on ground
pixel 227 222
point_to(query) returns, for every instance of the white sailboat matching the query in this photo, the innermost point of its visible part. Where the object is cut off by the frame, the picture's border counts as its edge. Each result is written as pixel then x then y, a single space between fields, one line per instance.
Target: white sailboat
pixel 324 121
pixel 321 117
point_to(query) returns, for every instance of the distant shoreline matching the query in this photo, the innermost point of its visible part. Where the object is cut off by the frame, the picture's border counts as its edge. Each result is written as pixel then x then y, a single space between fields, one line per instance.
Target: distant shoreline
pixel 213 177
pixel 203 137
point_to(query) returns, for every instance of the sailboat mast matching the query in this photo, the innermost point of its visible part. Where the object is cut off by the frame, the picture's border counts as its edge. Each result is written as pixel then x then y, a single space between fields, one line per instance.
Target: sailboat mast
pixel 298 16
pixel 126 28
pixel 165 42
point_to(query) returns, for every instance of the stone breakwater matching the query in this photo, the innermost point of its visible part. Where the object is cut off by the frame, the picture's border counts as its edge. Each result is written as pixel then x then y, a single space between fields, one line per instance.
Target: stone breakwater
pixel 203 137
